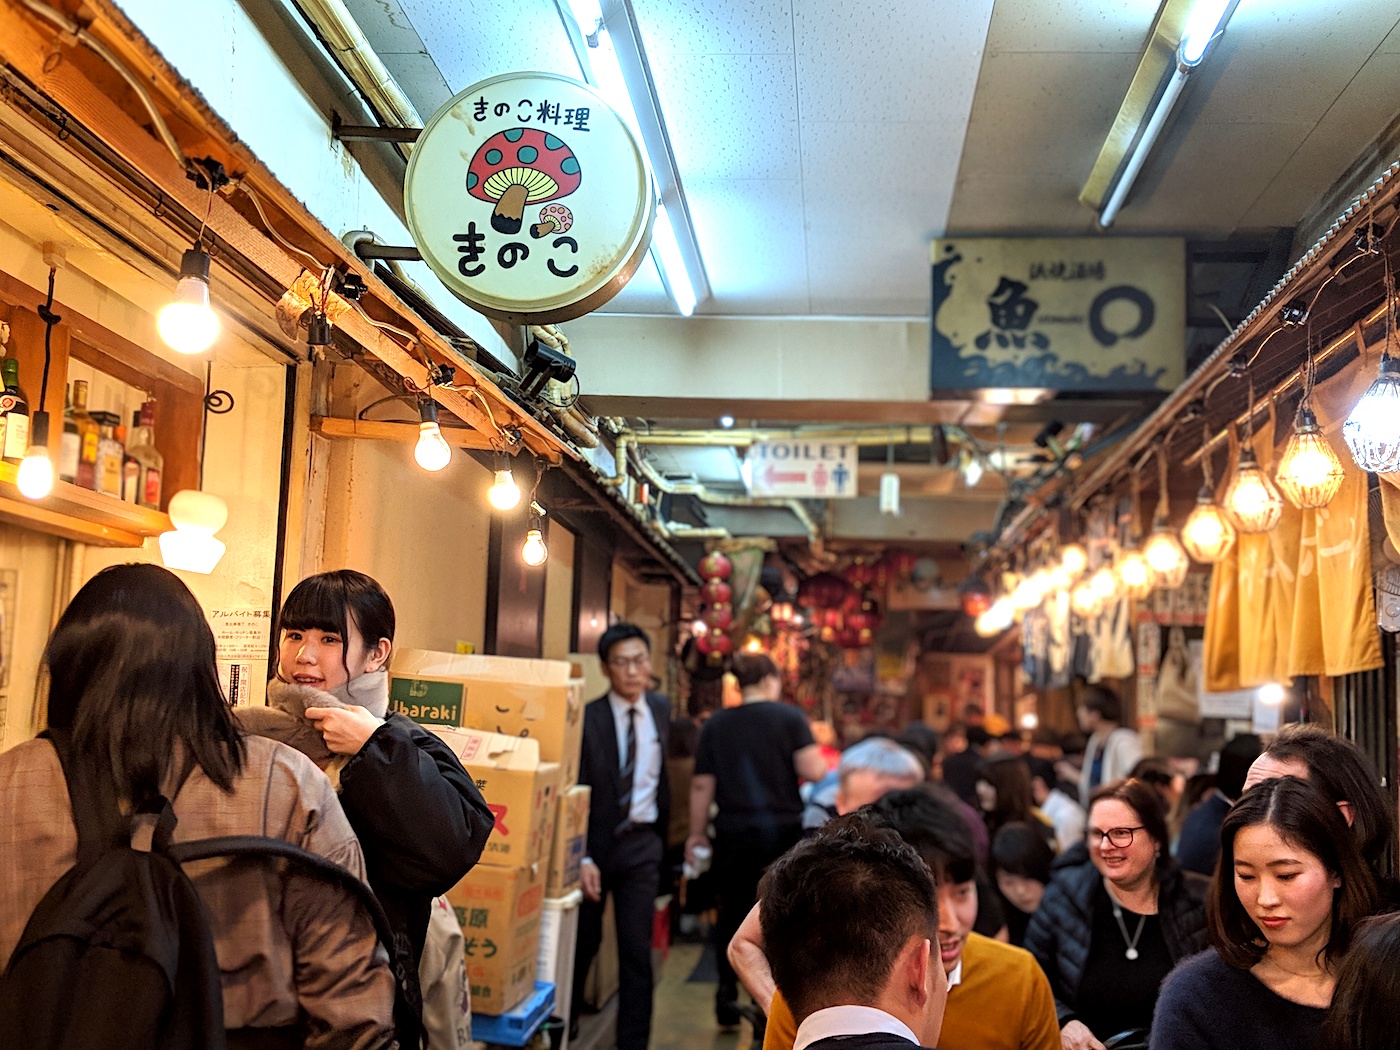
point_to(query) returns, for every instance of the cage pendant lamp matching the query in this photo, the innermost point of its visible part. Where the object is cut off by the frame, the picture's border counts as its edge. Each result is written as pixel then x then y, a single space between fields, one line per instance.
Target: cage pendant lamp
pixel 1251 499
pixel 1372 431
pixel 1207 534
pixel 1130 567
pixel 1165 556
pixel 1309 473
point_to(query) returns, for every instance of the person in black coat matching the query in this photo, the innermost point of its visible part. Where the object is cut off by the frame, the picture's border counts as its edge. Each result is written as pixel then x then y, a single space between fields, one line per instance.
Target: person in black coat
pixel 626 736
pixel 420 818
pixel 1115 918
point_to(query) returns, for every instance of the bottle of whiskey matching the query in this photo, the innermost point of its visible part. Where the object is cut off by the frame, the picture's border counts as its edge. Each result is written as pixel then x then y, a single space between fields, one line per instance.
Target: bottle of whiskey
pixel 88 436
pixel 131 467
pixel 14 414
pixel 109 454
pixel 142 448
pixel 70 447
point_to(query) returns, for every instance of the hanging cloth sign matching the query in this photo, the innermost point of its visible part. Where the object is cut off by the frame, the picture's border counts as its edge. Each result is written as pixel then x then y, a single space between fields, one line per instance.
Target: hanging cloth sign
pixel 530 199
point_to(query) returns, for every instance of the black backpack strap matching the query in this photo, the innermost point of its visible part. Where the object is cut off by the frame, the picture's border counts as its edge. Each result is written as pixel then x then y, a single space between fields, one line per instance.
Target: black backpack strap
pixel 96 814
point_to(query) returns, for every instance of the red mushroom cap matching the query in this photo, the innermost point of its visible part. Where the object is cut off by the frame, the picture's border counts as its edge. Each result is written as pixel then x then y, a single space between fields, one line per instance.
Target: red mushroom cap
pixel 527 157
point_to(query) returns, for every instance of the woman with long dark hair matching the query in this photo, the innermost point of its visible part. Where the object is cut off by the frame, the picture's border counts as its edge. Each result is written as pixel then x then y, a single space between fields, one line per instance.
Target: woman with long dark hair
pixel 132 679
pixel 1367 997
pixel 1290 890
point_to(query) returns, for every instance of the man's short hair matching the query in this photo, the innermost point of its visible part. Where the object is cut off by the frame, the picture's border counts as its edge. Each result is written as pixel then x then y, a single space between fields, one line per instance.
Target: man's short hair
pixel 620 632
pixel 882 756
pixel 752 668
pixel 839 908
pixel 935 829
pixel 1101 700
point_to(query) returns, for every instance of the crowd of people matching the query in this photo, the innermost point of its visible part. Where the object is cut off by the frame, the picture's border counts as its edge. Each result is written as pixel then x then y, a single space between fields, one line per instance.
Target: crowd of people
pixel 1243 910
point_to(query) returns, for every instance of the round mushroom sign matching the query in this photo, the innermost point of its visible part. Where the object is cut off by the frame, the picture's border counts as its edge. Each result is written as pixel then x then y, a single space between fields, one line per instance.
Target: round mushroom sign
pixel 530 198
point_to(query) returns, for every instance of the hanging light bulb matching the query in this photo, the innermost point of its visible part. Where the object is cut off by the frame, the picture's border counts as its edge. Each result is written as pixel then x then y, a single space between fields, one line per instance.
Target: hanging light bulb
pixel 1163 551
pixel 1309 472
pixel 1207 534
pixel 1104 584
pixel 432 451
pixel 196 515
pixel 1372 431
pixel 1085 601
pixel 1059 579
pixel 187 324
pixel 1074 558
pixel 504 494
pixel 1251 500
pixel 533 551
pixel 35 479
pixel 889 486
pixel 1133 573
pixel 972 471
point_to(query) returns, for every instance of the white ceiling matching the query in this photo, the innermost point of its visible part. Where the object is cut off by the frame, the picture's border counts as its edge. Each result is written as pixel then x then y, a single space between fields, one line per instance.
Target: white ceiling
pixel 822 144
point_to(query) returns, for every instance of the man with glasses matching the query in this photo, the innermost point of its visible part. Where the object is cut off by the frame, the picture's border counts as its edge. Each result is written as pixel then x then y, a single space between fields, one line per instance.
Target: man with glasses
pixel 625 735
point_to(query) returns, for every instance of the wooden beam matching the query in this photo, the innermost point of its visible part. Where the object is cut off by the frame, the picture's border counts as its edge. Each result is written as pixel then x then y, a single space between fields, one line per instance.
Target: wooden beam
pixel 374 430
pixel 55 66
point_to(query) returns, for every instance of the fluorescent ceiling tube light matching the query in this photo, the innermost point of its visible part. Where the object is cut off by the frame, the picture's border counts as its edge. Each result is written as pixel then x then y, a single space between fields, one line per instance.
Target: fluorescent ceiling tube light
pixel 1203 26
pixel 670 262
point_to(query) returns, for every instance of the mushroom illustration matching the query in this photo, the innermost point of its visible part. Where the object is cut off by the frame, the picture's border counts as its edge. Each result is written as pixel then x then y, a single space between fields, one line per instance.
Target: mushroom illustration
pixel 553 217
pixel 521 166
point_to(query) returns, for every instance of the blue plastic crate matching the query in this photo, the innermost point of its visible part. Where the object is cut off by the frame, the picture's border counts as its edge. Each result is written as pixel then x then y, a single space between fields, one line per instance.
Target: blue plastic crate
pixel 518 1026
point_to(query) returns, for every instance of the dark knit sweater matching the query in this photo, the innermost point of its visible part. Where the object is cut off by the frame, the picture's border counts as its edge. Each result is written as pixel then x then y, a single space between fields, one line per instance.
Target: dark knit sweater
pixel 1206 1004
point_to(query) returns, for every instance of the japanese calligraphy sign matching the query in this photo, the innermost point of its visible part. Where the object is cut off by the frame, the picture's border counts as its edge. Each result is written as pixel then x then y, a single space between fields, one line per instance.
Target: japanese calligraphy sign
pixel 530 198
pixel 802 468
pixel 1071 314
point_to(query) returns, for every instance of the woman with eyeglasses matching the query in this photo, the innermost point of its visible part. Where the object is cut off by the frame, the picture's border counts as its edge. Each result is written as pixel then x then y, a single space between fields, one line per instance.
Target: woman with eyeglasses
pixel 1289 893
pixel 1111 928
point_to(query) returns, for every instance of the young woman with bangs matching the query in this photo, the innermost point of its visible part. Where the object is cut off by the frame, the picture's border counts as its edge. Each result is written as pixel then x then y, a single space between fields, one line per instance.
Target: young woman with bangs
pixel 1290 890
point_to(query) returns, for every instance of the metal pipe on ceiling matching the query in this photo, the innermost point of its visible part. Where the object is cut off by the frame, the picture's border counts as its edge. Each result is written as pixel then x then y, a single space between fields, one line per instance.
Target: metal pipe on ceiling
pixel 725 499
pixel 863 436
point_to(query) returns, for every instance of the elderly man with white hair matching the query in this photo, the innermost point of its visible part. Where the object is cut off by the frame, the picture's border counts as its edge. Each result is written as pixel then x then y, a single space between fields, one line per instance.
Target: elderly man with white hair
pixel 867 772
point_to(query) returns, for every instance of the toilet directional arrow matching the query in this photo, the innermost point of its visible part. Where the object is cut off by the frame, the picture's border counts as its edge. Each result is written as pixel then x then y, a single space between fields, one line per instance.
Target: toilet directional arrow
pixel 773 476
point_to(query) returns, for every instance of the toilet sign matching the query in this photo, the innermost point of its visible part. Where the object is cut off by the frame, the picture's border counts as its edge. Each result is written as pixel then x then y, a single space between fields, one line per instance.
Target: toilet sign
pixel 802 468
pixel 529 198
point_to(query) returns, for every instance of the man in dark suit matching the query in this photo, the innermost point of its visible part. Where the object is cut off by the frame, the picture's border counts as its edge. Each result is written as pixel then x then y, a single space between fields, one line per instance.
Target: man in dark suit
pixel 625 737
pixel 850 922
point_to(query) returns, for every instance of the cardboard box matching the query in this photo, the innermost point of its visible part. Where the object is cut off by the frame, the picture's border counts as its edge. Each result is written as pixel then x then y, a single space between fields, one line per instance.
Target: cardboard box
pixel 570 840
pixel 521 790
pixel 499 912
pixel 497 694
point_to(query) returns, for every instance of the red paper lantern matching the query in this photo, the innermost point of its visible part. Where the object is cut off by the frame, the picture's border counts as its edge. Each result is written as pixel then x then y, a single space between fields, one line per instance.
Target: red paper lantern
pixel 976 596
pixel 716 592
pixel 825 590
pixel 719 617
pixel 866 617
pixel 848 639
pixel 715 643
pixel 715 566
pixel 861 574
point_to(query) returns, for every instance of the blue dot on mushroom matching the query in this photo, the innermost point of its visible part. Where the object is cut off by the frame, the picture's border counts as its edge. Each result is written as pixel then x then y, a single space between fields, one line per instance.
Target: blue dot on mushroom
pixel 527 154
pixel 569 166
pixel 472 180
pixel 493 156
pixel 514 134
pixel 551 143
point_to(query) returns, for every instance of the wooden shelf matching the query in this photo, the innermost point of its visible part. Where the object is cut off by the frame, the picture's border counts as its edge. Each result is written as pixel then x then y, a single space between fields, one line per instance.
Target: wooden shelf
pixel 79 514
pixel 374 430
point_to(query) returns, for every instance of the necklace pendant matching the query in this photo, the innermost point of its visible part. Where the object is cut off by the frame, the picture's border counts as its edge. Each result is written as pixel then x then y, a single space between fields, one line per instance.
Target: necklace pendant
pixel 1132 954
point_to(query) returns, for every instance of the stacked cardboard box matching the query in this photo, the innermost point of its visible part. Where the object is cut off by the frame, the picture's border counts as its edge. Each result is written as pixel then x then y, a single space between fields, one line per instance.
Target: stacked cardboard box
pixel 517 727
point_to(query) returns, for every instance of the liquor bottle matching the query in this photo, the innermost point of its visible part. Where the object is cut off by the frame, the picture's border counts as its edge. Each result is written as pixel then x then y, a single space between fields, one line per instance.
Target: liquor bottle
pixel 88 436
pixel 14 414
pixel 109 454
pixel 70 447
pixel 131 466
pixel 142 447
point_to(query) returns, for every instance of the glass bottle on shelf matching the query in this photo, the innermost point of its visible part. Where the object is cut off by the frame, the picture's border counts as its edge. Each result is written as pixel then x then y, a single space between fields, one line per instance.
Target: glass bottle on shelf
pixel 109 454
pixel 14 414
pixel 142 447
pixel 131 466
pixel 71 445
pixel 88 436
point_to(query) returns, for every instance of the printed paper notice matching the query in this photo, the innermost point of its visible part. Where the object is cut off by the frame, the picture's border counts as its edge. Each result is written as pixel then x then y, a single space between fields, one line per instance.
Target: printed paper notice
pixel 241 639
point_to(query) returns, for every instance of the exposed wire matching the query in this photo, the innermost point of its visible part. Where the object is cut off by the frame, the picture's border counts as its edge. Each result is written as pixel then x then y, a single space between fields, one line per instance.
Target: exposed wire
pixel 267 224
pixel 50 319
pixel 98 48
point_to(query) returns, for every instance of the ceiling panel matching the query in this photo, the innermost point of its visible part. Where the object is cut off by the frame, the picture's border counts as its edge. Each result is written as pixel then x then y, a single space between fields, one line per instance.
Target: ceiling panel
pixel 475 39
pixel 751 237
pixel 1072 25
pixel 702 27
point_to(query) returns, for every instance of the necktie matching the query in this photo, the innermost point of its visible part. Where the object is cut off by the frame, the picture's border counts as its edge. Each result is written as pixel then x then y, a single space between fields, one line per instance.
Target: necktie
pixel 629 768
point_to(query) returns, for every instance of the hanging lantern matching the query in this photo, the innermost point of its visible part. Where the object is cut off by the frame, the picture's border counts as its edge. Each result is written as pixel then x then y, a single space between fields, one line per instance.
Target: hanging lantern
pixel 719 617
pixel 1104 585
pixel 1133 573
pixel 825 590
pixel 715 645
pixel 1251 500
pixel 781 612
pixel 1163 551
pixel 1207 534
pixel 716 592
pixel 1372 431
pixel 715 566
pixel 1074 559
pixel 1309 472
pixel 1085 601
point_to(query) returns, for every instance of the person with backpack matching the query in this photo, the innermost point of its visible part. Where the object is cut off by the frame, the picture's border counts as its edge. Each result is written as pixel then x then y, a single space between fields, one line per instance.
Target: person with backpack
pixel 419 816
pixel 106 942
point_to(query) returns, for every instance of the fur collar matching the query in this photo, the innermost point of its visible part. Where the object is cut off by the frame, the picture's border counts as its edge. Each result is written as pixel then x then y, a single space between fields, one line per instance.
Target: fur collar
pixel 370 691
